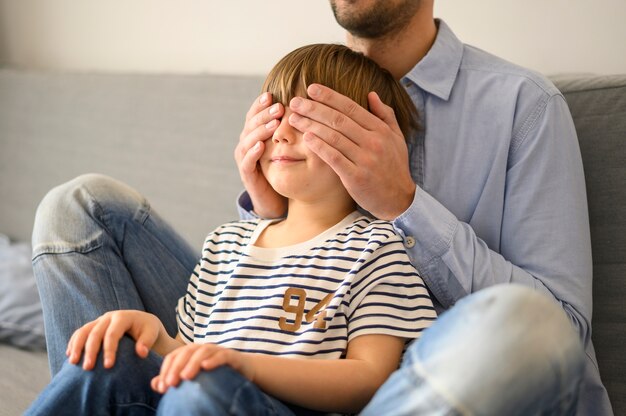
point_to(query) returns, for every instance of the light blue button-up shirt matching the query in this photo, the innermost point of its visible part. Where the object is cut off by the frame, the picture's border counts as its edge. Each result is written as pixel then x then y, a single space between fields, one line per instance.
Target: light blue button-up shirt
pixel 501 193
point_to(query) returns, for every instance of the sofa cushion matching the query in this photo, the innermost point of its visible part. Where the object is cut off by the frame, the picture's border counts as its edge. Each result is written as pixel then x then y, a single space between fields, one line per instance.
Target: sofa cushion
pixel 21 319
pixel 598 106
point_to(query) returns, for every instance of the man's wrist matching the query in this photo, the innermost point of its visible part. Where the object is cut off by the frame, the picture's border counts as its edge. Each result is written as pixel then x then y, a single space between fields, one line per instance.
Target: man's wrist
pixel 400 204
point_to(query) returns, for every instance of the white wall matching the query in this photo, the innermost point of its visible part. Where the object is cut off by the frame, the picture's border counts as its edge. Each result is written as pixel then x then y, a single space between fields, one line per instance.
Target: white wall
pixel 248 36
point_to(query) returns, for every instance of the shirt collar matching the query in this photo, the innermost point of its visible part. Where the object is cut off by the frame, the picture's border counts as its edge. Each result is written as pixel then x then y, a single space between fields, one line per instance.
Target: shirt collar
pixel 436 72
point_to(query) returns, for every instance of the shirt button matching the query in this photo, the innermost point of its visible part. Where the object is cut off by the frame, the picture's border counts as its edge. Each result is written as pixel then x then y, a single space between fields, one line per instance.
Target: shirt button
pixel 409 242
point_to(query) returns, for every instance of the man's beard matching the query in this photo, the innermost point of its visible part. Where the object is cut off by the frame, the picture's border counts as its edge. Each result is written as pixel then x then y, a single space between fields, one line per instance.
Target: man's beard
pixel 382 19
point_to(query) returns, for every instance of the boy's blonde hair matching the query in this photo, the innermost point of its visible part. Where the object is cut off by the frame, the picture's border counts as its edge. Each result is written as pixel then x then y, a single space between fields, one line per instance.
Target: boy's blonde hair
pixel 348 72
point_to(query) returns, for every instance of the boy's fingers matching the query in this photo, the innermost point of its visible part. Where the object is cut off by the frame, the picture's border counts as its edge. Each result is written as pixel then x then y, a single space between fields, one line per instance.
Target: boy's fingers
pixel 110 345
pixel 194 364
pixel 94 342
pixel 141 349
pixel 74 348
pixel 172 378
pixel 77 342
pixel 154 383
pixel 144 341
pixel 218 359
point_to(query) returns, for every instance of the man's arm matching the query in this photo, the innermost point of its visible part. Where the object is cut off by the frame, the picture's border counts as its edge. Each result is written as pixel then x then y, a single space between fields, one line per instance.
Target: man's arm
pixel 545 240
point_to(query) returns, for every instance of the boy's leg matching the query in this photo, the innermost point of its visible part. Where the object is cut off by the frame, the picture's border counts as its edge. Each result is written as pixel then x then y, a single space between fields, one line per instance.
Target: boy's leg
pixel 222 391
pixel 506 350
pixel 97 246
pixel 121 390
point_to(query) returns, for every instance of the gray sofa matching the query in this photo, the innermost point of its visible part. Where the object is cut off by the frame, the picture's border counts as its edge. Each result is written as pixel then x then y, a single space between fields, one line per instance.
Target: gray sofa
pixel 171 137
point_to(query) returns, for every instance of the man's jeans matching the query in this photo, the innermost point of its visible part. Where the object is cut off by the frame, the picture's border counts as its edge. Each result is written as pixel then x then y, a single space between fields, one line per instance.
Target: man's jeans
pixel 98 246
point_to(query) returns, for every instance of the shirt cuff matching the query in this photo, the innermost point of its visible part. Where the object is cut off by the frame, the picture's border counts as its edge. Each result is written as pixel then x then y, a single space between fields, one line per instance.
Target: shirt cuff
pixel 244 207
pixel 427 228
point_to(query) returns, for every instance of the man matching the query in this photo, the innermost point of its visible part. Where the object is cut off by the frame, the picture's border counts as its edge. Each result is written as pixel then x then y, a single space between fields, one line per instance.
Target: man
pixel 491 190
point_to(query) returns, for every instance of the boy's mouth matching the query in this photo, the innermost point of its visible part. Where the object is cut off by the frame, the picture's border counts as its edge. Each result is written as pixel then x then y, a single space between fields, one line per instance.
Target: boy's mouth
pixel 285 159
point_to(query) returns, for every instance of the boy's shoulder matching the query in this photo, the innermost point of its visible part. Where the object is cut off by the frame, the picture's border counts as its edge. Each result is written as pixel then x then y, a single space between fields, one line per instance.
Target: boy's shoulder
pixel 250 224
pixel 372 229
pixel 239 229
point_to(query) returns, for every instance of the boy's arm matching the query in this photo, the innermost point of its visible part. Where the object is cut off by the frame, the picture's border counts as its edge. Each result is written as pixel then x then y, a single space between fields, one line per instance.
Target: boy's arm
pixel 344 385
pixel 339 385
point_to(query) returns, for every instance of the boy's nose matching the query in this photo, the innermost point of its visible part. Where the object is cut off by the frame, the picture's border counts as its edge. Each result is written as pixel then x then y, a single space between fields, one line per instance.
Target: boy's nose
pixel 284 133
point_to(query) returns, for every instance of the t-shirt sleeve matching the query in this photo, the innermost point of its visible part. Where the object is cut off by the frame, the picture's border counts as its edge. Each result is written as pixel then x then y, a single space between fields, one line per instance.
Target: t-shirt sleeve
pixel 186 308
pixel 389 297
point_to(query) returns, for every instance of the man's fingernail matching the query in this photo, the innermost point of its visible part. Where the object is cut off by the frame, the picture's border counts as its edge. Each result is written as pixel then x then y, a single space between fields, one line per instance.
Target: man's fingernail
pixel 263 99
pixel 294 118
pixel 271 124
pixel 274 109
pixel 314 90
pixel 296 102
pixel 257 146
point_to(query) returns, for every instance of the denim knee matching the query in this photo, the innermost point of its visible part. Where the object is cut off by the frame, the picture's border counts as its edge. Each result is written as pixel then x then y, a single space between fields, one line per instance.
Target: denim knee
pixel 123 389
pixel 66 218
pixel 541 327
pixel 215 392
pixel 504 346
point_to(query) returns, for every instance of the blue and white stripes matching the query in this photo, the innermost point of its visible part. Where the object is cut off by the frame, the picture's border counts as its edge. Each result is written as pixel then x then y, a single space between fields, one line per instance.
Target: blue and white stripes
pixel 307 300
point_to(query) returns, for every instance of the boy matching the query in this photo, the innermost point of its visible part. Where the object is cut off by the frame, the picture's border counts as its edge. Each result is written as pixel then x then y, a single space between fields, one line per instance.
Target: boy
pixel 311 311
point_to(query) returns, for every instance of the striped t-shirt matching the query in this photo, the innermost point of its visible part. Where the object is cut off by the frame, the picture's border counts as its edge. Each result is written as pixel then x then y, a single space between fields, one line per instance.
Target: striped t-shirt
pixel 305 300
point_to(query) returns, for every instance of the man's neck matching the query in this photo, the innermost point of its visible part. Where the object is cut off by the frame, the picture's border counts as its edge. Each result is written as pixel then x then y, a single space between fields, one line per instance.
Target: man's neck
pixel 400 51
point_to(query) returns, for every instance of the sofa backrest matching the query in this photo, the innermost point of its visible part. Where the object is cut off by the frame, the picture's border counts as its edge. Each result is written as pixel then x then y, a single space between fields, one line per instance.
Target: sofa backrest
pixel 598 107
pixel 171 137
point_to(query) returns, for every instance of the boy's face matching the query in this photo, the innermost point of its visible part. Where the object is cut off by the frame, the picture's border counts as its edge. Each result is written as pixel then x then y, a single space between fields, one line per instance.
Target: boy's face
pixel 293 170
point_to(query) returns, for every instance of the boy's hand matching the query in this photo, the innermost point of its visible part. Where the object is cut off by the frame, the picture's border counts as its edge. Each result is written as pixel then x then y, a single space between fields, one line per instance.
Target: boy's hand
pixel 106 332
pixel 261 121
pixel 185 362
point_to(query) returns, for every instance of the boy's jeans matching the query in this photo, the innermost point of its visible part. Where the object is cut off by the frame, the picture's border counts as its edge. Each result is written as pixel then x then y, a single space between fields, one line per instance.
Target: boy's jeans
pixel 98 246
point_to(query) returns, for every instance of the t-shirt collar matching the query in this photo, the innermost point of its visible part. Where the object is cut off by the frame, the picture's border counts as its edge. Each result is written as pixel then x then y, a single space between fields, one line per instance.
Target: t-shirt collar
pixel 437 71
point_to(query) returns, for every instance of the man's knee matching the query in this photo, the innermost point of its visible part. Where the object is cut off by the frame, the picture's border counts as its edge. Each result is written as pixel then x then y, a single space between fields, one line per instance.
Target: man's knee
pixel 67 212
pixel 511 320
pixel 515 315
pixel 500 337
